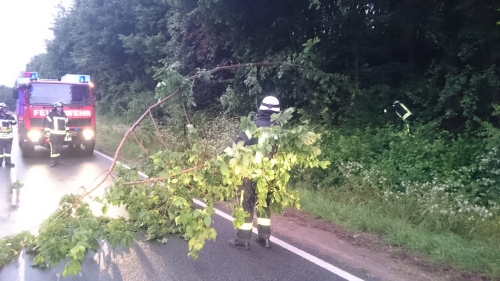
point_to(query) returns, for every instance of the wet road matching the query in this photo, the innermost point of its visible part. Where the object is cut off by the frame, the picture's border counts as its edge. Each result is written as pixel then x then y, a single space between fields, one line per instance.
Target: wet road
pixel 44 186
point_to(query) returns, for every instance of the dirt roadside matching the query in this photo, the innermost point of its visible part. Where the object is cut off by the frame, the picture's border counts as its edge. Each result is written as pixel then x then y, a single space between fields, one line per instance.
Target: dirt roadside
pixel 363 251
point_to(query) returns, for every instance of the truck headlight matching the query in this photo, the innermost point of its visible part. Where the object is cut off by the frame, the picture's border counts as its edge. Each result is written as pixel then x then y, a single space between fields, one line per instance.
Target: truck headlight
pixel 88 134
pixel 34 136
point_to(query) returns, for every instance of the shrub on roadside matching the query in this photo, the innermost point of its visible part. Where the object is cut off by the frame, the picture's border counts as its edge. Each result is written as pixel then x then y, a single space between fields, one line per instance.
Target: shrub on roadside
pixel 426 179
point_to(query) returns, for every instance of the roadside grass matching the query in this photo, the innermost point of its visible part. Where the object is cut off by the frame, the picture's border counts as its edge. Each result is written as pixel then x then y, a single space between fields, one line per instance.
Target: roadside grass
pixel 420 219
pixel 111 132
pixel 359 214
pixel 217 134
pixel 431 193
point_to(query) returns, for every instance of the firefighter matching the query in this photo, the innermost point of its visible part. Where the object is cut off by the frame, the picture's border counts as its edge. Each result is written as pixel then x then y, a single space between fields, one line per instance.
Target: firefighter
pixel 6 135
pixel 269 106
pixel 403 112
pixel 56 128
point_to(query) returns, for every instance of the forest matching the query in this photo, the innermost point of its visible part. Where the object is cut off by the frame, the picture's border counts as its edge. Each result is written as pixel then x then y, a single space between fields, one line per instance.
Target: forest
pixel 339 61
pixel 339 64
pixel 6 97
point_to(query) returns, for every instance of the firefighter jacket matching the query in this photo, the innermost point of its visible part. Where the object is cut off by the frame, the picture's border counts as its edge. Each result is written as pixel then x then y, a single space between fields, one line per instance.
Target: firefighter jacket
pixel 401 110
pixel 7 121
pixel 56 123
pixel 264 120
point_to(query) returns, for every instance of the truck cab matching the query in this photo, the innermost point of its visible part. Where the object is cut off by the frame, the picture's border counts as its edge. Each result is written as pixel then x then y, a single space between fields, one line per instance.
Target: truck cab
pixel 36 98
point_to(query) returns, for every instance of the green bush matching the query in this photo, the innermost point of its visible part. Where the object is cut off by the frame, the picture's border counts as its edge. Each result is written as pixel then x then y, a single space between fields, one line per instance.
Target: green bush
pixel 397 156
pixel 430 192
pixel 428 179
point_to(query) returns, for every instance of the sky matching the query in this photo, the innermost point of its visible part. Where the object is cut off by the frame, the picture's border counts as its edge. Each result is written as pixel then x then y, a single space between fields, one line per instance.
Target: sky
pixel 24 28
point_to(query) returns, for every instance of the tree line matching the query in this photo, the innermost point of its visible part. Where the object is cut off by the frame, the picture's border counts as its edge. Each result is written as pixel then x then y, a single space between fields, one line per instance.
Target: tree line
pixel 6 97
pixel 337 61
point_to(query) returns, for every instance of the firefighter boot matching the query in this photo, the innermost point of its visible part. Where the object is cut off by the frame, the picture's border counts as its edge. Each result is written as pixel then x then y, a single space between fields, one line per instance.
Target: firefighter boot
pixel 263 242
pixel 9 164
pixel 53 162
pixel 235 243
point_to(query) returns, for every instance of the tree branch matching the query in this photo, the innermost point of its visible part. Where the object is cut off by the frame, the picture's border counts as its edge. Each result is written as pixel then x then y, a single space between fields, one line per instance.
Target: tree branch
pixel 139 143
pixel 165 178
pixel 157 129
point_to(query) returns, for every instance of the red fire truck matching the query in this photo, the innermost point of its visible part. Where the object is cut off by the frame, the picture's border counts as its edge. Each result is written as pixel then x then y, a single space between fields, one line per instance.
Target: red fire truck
pixel 36 98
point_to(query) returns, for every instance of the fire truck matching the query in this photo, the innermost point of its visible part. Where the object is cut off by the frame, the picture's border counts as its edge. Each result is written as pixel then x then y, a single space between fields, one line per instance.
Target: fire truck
pixel 36 98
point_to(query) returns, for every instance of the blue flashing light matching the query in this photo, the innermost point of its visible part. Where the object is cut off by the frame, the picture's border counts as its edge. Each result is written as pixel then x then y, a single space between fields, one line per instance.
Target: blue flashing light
pixel 33 76
pixel 75 78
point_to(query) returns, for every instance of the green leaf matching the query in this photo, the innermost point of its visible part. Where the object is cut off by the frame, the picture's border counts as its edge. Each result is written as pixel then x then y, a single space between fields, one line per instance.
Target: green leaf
pixel 208 221
pixel 223 169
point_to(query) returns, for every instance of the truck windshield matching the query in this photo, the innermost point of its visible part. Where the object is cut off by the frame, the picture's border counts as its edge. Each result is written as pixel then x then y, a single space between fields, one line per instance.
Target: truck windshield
pixel 66 93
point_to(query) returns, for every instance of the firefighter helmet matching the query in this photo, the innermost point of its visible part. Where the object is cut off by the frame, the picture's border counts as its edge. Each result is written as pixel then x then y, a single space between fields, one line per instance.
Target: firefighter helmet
pixel 270 103
pixel 60 104
pixel 396 101
pixel 3 105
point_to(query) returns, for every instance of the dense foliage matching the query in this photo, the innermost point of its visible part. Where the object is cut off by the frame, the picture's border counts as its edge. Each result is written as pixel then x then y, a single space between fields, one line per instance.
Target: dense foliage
pixel 6 97
pixel 439 57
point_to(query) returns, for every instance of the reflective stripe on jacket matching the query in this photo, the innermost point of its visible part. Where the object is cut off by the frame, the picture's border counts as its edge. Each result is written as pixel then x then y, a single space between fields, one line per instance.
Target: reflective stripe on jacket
pixel 56 123
pixel 402 111
pixel 6 122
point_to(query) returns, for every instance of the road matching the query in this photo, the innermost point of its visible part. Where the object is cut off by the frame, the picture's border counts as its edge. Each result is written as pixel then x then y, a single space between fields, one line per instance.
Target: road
pixel 43 186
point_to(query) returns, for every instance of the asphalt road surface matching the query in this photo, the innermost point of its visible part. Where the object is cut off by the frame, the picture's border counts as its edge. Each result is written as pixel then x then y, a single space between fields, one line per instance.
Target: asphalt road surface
pixel 43 186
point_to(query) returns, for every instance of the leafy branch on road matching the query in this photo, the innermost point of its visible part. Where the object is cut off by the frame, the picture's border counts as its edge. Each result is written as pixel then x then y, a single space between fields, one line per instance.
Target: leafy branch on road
pixel 178 174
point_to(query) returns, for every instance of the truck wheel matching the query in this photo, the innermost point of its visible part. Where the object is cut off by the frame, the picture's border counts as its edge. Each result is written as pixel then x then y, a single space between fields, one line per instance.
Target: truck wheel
pixel 89 148
pixel 27 150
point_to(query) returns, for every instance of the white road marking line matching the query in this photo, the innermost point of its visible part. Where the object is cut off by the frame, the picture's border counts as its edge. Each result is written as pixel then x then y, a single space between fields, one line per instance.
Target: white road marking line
pixel 333 269
pixel 295 250
pixel 22 266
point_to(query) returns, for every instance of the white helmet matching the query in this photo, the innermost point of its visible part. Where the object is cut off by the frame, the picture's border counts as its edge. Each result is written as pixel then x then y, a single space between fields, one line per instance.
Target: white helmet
pixel 58 104
pixel 3 105
pixel 270 103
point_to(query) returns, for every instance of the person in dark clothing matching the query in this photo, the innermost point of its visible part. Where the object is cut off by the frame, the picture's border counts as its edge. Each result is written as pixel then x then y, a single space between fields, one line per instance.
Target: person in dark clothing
pixel 56 127
pixel 6 135
pixel 269 106
pixel 403 112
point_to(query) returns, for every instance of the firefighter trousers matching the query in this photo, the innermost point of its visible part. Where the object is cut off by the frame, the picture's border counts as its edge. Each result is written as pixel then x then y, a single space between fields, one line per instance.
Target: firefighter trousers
pixel 263 219
pixel 56 145
pixel 5 149
pixel 408 124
